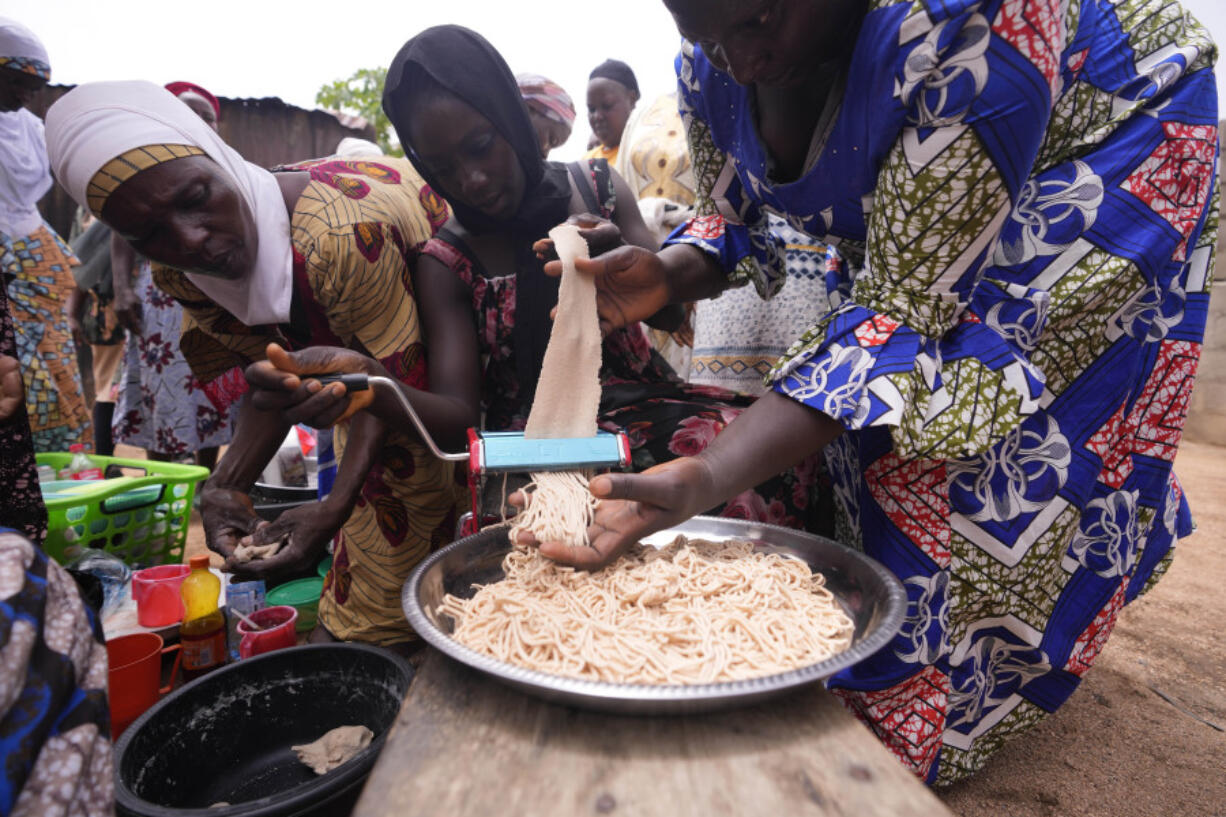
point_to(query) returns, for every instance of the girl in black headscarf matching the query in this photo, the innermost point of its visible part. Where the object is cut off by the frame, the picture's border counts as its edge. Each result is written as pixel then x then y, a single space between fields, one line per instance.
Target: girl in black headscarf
pixel 484 297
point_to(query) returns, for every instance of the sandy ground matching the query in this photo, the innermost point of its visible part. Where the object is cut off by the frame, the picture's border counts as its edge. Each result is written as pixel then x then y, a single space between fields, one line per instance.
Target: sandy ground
pixel 1145 734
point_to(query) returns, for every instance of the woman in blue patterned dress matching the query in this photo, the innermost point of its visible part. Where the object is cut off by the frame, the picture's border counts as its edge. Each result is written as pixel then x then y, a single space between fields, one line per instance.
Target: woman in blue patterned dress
pixel 1024 192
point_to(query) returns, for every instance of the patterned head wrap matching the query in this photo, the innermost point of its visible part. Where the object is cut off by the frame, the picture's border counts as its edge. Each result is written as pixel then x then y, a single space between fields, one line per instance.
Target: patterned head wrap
pixel 617 71
pixel 21 50
pixel 547 98
pixel 100 134
pixel 128 164
pixel 181 88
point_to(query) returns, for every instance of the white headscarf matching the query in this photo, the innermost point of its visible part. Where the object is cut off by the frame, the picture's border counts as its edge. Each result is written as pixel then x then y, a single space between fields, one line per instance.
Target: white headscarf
pixel 97 121
pixel 24 174
pixel 18 41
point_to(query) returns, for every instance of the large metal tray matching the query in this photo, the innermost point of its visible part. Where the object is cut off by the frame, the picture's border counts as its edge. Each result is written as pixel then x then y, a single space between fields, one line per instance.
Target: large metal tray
pixel 868 592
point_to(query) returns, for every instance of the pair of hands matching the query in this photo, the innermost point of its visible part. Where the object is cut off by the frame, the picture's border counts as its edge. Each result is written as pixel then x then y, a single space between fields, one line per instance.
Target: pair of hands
pixel 281 384
pixel 630 287
pixel 229 518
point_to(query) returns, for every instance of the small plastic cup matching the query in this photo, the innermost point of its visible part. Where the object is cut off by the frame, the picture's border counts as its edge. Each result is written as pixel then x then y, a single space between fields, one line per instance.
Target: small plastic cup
pixel 277 631
pixel 156 591
pixel 135 663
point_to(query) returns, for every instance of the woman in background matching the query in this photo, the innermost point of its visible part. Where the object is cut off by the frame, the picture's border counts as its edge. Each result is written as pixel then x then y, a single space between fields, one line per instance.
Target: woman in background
pixel 550 109
pixel 612 92
pixel 36 263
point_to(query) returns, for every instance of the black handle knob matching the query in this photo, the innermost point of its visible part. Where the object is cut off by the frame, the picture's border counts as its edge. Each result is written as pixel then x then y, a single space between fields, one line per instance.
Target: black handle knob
pixel 353 382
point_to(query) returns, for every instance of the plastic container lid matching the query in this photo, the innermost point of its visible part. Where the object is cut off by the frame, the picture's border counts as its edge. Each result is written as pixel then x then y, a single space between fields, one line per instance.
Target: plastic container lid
pixel 324 566
pixel 297 593
pixel 199 562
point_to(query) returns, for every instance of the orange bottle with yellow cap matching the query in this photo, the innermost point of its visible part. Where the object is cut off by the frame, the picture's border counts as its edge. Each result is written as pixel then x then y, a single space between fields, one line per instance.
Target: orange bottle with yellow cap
pixel 203 631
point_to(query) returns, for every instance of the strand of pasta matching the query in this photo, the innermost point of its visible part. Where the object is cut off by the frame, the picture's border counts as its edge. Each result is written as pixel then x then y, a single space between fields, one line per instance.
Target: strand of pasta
pixel 560 507
pixel 692 612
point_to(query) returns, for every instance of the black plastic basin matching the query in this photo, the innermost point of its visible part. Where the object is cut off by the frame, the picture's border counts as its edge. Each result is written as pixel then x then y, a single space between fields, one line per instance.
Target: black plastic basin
pixel 226 737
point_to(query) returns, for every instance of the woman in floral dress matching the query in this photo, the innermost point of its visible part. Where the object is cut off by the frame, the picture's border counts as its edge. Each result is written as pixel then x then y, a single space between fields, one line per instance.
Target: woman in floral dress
pixel 1025 195
pixel 162 407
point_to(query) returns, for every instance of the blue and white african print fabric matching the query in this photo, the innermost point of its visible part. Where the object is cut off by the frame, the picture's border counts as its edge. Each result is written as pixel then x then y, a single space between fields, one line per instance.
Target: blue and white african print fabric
pixel 1025 192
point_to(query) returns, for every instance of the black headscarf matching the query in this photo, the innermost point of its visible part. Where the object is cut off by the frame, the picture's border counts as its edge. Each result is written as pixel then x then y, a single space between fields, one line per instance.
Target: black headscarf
pixel 463 63
pixel 617 71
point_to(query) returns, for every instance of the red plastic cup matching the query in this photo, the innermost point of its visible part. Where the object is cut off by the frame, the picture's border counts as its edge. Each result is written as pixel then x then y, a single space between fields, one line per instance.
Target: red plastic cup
pixel 134 676
pixel 277 631
pixel 156 592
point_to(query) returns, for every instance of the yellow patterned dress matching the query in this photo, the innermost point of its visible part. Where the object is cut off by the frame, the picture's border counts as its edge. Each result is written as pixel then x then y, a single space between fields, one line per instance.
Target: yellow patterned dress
pixel 355 231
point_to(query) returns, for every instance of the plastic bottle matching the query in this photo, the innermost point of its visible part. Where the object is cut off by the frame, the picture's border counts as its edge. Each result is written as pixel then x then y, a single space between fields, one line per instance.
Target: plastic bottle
pixel 80 466
pixel 245 598
pixel 203 631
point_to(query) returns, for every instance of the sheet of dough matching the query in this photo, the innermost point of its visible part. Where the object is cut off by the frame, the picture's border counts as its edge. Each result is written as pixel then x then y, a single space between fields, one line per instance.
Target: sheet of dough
pixel 568 392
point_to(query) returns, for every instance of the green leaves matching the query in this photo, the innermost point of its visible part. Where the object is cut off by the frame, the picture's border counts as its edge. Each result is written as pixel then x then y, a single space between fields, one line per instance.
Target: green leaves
pixel 361 94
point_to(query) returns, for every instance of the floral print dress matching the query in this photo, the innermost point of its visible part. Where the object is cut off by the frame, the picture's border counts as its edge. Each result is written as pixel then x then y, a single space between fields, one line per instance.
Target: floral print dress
pixel 663 417
pixel 162 407
pixel 1025 194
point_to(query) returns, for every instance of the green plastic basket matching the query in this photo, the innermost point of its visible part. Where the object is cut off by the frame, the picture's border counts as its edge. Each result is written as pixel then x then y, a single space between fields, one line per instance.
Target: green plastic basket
pixel 142 520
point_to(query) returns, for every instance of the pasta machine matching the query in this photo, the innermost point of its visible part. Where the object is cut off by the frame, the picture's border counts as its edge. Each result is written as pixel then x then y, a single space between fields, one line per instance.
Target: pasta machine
pixel 503 452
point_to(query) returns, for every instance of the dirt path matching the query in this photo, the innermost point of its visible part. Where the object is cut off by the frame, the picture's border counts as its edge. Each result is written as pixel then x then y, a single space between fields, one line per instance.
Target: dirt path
pixel 1119 748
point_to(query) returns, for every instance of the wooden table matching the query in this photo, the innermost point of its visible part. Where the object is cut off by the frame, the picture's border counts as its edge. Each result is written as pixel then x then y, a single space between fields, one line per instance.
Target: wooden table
pixel 466 745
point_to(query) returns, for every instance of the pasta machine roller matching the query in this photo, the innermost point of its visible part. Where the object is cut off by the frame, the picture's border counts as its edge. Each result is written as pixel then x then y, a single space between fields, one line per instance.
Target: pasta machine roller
pixel 503 452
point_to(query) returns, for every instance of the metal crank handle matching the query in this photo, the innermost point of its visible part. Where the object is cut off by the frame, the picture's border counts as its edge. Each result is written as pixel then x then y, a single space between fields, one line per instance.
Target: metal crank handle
pixel 362 382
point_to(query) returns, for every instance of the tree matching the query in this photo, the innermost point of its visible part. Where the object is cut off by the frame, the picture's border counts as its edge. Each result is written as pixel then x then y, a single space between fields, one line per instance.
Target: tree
pixel 362 94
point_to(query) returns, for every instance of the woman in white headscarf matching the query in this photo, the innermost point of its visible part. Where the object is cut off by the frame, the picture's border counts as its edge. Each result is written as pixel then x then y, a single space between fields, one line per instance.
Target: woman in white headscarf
pixel 160 406
pixel 23 178
pixel 37 262
pixel 315 254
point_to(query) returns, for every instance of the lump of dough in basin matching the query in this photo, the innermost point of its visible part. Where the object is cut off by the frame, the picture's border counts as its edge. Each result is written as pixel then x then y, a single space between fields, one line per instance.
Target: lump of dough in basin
pixel 334 748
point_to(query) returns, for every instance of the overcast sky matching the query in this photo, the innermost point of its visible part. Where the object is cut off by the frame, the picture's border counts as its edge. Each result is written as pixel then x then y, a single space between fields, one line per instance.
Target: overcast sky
pixel 258 48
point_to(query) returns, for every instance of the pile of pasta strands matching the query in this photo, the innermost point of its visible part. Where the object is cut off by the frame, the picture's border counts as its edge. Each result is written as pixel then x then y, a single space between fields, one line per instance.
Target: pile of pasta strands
pixel 694 612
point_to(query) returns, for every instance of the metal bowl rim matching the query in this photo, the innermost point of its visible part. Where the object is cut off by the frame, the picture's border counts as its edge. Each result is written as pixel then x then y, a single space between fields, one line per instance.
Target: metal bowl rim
pixel 893 611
